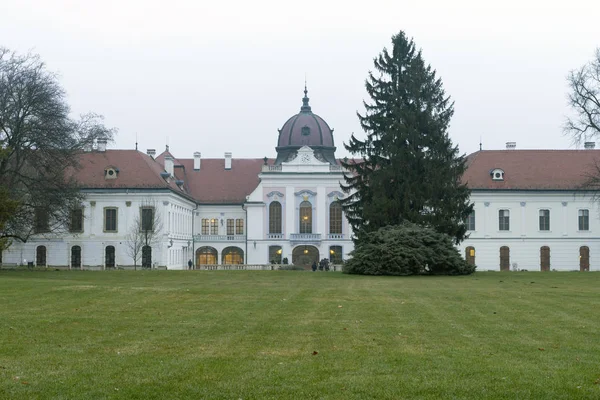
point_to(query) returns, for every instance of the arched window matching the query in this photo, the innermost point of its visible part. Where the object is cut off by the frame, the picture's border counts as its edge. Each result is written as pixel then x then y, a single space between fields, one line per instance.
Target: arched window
pixel 584 258
pixel 470 255
pixel 275 217
pixel 335 217
pixel 232 255
pixel 76 257
pixel 206 256
pixel 305 217
pixel 146 257
pixel 275 253
pixel 545 258
pixel 335 254
pixel 504 258
pixel 40 256
pixel 109 259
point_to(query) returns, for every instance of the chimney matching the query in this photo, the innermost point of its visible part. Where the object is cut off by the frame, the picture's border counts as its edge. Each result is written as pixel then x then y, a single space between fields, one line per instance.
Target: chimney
pixel 227 160
pixel 589 145
pixel 511 145
pixel 151 153
pixel 169 165
pixel 197 158
pixel 102 140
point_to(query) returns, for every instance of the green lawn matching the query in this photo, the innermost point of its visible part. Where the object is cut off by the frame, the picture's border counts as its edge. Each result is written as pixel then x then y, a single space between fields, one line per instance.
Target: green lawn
pixel 298 335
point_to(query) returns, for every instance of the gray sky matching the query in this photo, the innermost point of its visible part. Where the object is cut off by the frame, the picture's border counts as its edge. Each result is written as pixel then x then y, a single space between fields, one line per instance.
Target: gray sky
pixel 217 76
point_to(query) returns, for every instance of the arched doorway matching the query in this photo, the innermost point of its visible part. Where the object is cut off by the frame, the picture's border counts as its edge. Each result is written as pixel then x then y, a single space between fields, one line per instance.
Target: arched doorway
pixel 232 255
pixel 545 258
pixel 146 257
pixel 504 258
pixel 584 258
pixel 275 253
pixel 109 257
pixel 40 256
pixel 206 256
pixel 470 255
pixel 305 256
pixel 76 257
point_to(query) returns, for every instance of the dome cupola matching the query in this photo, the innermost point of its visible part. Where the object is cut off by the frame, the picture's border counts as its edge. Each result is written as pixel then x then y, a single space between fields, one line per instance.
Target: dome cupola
pixel 305 129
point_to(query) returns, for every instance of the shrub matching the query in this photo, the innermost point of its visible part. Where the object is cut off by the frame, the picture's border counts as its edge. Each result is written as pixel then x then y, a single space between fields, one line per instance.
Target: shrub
pixel 291 268
pixel 406 249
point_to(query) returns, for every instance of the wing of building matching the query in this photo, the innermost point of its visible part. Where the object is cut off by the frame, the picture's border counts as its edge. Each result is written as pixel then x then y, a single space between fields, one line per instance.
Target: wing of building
pixel 531 211
pixel 202 211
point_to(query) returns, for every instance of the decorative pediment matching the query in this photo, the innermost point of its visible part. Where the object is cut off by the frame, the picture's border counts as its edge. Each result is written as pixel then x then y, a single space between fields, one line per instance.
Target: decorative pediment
pixel 275 193
pixel 337 195
pixel 305 192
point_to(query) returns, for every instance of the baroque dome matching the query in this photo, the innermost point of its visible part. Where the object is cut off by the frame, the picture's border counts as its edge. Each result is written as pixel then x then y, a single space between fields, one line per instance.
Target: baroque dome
pixel 305 129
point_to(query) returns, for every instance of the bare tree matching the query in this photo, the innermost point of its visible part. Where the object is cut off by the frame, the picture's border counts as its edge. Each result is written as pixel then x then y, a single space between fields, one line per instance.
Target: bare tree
pixel 39 147
pixel 585 100
pixel 144 233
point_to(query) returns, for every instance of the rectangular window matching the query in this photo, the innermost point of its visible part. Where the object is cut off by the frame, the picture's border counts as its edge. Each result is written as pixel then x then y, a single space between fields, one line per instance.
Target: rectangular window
pixel 147 219
pixel 584 220
pixel 205 226
pixel 42 221
pixel 544 220
pixel 214 226
pixel 239 226
pixel 504 220
pixel 110 220
pixel 76 223
pixel 230 226
pixel 471 221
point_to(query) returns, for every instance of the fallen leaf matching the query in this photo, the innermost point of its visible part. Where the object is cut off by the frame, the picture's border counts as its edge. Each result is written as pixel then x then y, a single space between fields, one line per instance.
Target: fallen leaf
pixel 315 353
pixel 339 306
pixel 345 329
pixel 540 348
pixel 24 383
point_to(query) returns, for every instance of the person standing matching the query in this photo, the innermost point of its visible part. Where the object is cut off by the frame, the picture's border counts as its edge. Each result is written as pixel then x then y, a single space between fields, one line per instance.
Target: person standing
pixel 190 264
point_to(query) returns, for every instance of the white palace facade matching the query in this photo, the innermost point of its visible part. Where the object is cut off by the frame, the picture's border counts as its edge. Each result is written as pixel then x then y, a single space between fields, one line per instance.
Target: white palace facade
pixel 530 210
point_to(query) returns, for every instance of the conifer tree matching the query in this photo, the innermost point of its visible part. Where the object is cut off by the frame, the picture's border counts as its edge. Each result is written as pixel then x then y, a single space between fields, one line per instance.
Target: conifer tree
pixel 407 168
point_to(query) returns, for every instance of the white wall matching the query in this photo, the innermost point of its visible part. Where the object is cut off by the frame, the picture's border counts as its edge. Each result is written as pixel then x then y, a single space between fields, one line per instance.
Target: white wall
pixel 525 238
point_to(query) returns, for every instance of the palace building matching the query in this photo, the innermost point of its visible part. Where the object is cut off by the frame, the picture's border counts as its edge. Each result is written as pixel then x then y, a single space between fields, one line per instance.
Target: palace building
pixel 531 211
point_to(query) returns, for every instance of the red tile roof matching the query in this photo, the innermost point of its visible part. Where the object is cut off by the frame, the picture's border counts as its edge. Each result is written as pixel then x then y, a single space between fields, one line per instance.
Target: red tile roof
pixel 135 170
pixel 531 169
pixel 213 184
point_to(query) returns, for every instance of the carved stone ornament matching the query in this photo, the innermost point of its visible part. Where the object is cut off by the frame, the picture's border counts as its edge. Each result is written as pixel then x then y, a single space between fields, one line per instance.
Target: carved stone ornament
pixel 275 193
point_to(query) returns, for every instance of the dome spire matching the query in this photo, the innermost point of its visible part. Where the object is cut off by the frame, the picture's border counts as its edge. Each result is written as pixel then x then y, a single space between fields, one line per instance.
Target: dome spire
pixel 305 107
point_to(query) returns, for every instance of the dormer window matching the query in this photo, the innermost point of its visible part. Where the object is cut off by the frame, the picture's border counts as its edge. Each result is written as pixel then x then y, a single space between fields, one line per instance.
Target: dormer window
pixel 111 173
pixel 497 174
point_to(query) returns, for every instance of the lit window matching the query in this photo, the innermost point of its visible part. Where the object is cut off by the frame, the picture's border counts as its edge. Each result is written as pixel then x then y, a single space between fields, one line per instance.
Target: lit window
pixel 305 217
pixel 214 226
pixel 239 226
pixel 205 226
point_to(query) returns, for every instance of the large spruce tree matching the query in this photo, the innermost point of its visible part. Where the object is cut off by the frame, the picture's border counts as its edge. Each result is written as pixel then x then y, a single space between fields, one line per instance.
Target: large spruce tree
pixel 407 169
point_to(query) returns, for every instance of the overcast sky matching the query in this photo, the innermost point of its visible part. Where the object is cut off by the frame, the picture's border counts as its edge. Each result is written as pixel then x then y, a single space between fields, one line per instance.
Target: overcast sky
pixel 218 76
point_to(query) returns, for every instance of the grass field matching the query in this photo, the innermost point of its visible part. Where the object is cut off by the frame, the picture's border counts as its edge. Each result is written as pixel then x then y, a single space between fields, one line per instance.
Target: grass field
pixel 298 335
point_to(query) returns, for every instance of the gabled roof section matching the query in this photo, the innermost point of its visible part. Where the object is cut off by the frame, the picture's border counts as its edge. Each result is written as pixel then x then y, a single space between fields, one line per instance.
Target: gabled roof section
pixel 531 169
pixel 213 184
pixel 136 170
